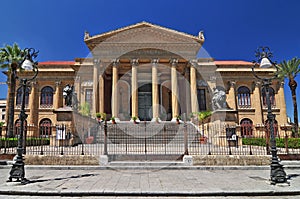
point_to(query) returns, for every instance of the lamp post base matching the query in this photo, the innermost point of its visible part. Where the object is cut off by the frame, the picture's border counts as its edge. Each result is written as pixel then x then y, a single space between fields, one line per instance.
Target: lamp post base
pixel 17 171
pixel 278 174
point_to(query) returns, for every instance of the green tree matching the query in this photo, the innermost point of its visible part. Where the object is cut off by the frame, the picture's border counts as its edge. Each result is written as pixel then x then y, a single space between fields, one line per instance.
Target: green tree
pixel 85 109
pixel 202 116
pixel 290 69
pixel 10 57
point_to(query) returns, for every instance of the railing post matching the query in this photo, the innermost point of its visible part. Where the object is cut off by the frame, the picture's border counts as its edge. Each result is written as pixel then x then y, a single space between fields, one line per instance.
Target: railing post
pixel 186 150
pixel 105 139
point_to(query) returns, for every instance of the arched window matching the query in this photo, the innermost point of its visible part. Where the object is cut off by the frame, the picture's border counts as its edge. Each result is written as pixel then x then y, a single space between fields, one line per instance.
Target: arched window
pixel 246 128
pixel 46 97
pixel 18 125
pixel 19 96
pixel 244 100
pixel 275 128
pixel 272 97
pixel 45 128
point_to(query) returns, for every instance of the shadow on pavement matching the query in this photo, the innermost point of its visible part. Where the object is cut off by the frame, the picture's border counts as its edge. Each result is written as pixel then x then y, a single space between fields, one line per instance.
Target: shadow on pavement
pixel 64 178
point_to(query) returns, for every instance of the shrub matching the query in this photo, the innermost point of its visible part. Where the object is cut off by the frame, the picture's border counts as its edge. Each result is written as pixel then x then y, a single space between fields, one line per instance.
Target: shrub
pixel 280 142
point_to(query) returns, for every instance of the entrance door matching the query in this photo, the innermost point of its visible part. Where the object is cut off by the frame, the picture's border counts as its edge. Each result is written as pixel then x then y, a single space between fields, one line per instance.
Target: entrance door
pixel 145 102
pixel 145 106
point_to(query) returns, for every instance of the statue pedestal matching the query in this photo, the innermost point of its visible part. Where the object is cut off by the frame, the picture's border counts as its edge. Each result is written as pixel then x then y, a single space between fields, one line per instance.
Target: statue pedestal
pixel 65 134
pixel 225 121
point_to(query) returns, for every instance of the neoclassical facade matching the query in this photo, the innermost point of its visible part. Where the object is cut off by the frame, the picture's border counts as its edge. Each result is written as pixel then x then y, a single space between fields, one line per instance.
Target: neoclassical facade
pixel 151 72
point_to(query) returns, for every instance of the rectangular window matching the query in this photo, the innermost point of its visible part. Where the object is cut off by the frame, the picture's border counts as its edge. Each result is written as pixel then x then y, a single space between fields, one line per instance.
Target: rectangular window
pixel 201 99
pixel 89 96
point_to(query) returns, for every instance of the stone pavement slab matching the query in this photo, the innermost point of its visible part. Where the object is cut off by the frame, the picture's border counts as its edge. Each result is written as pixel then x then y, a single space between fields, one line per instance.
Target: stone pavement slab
pixel 72 182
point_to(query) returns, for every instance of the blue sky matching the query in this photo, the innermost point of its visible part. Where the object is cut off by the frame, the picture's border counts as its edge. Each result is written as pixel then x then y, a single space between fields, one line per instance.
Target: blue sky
pixel 233 28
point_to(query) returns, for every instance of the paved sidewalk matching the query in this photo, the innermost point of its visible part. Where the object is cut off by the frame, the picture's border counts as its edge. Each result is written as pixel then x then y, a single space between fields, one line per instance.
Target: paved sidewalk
pixel 84 181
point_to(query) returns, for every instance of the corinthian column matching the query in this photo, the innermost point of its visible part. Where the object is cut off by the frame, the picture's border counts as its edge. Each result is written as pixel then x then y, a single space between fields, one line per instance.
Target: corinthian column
pixel 101 91
pixel 257 105
pixel 174 88
pixel 115 88
pixel 231 100
pixel 193 83
pixel 155 95
pixel 33 107
pixel 95 87
pixel 58 99
pixel 281 118
pixel 134 88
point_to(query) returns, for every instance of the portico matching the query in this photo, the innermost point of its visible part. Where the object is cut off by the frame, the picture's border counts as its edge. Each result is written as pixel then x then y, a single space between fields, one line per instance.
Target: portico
pixel 145 88
pixel 141 68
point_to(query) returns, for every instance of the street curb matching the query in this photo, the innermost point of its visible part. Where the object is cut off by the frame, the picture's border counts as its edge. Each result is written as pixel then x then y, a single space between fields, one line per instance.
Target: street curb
pixel 165 167
pixel 153 194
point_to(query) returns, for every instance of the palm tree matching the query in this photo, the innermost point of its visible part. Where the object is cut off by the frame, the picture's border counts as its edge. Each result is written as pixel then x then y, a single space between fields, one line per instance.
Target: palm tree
pixel 289 69
pixel 10 57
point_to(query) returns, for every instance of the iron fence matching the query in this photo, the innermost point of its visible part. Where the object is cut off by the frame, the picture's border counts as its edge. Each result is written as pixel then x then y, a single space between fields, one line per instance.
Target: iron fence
pixel 148 138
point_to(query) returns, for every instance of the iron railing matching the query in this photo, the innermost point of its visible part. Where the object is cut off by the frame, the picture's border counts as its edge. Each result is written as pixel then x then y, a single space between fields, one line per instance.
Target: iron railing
pixel 149 138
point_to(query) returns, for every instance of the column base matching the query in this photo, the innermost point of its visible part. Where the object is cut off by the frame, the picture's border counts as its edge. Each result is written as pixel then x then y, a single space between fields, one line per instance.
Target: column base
pixel 175 120
pixel 156 119
pixel 136 121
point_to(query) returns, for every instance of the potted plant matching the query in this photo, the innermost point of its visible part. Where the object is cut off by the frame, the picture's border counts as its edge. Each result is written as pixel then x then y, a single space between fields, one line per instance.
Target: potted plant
pixel 98 117
pixel 134 118
pixel 177 119
pixel 113 119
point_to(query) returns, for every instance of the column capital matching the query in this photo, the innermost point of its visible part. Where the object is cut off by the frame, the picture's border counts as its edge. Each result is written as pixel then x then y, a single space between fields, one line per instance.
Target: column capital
pixel 232 83
pixel 281 84
pixel 134 62
pixel 115 62
pixel 193 62
pixel 174 62
pixel 57 83
pixel 96 61
pixel 155 61
pixel 257 84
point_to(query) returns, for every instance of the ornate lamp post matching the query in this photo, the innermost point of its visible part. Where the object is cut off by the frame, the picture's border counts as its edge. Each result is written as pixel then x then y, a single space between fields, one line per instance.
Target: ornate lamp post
pixel 17 171
pixel 263 54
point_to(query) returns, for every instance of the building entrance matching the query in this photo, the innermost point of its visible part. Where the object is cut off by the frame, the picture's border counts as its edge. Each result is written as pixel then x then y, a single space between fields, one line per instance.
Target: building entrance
pixel 145 102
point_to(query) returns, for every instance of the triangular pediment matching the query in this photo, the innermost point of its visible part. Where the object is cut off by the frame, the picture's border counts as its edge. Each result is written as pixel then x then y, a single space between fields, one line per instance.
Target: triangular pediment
pixel 143 32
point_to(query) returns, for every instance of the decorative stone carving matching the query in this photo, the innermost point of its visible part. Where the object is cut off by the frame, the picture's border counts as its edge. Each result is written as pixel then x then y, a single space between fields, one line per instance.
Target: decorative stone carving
pixel 86 35
pixel 201 35
pixel 219 99
pixel 67 93
pixel 201 83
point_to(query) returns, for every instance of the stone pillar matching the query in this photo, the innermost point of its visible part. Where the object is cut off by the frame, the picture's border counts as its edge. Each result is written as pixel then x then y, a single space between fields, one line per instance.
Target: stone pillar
pixel 155 94
pixel 58 98
pixel 95 88
pixel 77 85
pixel 231 99
pixel 174 88
pixel 187 91
pixel 33 99
pixel 134 88
pixel 115 77
pixel 101 90
pixel 256 104
pixel 193 83
pixel 282 117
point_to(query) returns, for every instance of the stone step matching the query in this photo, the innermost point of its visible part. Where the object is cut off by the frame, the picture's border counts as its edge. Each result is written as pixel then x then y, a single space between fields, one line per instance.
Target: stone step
pixel 146 163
